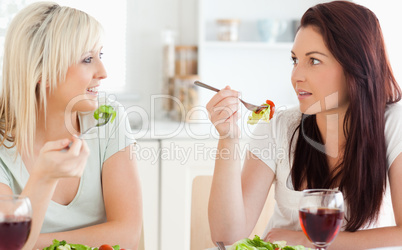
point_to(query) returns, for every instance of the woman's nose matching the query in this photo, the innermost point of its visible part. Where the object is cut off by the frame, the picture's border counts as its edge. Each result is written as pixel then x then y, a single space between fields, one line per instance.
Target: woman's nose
pixel 101 72
pixel 298 73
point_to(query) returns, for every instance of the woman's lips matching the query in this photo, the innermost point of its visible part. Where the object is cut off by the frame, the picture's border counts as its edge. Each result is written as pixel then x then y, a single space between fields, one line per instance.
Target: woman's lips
pixel 303 95
pixel 92 91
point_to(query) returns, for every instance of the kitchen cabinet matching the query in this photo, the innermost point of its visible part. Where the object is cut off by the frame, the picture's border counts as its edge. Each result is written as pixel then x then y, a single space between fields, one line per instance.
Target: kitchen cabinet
pixel 182 160
pixel 167 168
pixel 149 171
pixel 188 159
pixel 170 155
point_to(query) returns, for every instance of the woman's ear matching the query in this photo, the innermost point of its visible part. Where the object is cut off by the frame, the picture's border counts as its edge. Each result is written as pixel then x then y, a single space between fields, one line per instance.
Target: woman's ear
pixel 47 84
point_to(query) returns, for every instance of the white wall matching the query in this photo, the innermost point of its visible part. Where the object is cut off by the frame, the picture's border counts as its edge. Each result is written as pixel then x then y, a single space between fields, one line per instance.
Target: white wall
pixel 388 13
pixel 112 16
pixel 146 19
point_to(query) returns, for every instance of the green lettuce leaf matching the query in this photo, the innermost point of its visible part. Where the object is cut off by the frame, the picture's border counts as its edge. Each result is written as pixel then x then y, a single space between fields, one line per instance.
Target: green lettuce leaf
pixel 258 244
pixel 263 115
pixel 62 245
pixel 103 114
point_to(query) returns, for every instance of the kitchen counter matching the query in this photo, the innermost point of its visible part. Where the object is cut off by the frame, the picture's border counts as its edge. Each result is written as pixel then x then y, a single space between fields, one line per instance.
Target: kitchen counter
pixel 170 155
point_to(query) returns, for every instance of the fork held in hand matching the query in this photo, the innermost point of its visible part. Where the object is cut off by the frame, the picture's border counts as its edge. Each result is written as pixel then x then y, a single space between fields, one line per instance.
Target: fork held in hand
pixel 82 134
pixel 220 245
pixel 257 109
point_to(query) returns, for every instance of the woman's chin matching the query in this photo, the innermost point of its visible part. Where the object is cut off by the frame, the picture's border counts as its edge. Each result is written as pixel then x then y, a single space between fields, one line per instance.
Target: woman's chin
pixel 308 111
pixel 87 106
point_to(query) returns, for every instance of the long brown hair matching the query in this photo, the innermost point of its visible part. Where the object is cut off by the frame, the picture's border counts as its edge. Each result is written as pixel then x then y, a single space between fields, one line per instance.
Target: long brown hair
pixel 353 35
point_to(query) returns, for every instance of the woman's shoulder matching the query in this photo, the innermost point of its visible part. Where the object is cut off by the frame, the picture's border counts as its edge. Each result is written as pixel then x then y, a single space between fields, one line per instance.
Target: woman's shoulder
pixel 393 131
pixel 393 113
pixel 393 108
pixel 289 112
pixel 288 116
pixel 393 121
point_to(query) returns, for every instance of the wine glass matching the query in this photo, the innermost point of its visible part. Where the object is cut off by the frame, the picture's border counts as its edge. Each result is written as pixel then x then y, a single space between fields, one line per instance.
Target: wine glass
pixel 321 215
pixel 15 221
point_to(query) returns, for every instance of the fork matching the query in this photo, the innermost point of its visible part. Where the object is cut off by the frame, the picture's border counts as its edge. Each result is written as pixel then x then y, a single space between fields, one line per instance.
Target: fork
pixel 255 108
pixel 220 245
pixel 98 125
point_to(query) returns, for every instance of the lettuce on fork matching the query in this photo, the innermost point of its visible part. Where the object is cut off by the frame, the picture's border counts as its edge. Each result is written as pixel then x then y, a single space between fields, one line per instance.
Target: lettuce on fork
pixel 262 115
pixel 104 113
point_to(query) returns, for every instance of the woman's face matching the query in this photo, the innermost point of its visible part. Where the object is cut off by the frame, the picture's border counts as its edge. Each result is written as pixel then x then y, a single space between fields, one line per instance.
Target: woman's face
pixel 317 77
pixel 79 91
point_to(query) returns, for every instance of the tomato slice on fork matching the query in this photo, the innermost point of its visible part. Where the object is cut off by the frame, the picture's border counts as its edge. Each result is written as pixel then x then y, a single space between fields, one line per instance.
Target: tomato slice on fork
pixel 271 107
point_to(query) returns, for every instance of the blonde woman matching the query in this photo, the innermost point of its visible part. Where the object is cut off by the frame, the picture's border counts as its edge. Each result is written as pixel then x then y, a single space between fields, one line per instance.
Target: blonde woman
pixel 88 192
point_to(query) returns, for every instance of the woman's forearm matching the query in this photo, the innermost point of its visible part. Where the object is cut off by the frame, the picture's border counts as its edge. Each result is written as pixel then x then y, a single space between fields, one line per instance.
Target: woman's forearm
pixel 124 233
pixel 367 239
pixel 226 209
pixel 40 192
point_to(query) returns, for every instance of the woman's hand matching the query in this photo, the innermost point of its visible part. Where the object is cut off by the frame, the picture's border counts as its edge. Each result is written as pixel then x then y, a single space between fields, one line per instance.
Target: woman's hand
pixel 292 238
pixel 53 163
pixel 223 112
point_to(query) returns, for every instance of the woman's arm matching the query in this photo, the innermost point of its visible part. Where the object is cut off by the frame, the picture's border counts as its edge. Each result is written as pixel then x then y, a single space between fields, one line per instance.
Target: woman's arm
pixel 236 198
pixel 362 239
pixel 379 237
pixel 123 203
pixel 51 165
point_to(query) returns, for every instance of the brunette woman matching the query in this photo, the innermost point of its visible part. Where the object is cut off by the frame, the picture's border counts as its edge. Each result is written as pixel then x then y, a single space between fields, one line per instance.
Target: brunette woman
pixel 346 134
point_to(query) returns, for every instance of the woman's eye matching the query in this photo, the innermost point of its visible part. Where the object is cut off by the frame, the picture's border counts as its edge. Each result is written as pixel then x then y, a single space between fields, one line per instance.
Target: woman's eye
pixel 88 59
pixel 315 61
pixel 295 60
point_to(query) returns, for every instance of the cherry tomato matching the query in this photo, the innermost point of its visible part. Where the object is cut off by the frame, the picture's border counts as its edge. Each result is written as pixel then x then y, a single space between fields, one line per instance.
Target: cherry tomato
pixel 106 247
pixel 272 108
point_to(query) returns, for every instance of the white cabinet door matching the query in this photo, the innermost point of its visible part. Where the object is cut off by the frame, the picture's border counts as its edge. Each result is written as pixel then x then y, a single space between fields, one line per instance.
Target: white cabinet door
pixel 149 165
pixel 182 160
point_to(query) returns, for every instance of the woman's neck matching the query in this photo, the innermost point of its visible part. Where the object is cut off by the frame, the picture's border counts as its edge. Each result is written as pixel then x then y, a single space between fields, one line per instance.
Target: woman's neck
pixel 57 125
pixel 330 125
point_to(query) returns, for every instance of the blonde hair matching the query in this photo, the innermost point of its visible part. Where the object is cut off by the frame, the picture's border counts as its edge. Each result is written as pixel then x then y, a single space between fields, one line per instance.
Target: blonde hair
pixel 42 41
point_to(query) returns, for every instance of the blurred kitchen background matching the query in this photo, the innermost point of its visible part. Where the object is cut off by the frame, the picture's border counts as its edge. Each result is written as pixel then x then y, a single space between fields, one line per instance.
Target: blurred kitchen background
pixel 145 40
pixel 155 49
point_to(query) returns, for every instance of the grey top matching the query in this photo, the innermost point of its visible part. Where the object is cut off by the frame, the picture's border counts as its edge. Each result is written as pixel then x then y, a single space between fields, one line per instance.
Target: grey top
pixel 87 208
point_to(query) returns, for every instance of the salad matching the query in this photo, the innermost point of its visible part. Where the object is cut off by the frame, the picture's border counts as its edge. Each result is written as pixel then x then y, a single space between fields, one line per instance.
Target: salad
pixel 265 114
pixel 258 244
pixel 63 245
pixel 103 114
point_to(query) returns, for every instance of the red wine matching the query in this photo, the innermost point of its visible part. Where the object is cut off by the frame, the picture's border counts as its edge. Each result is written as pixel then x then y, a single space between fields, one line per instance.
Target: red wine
pixel 321 225
pixel 14 233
